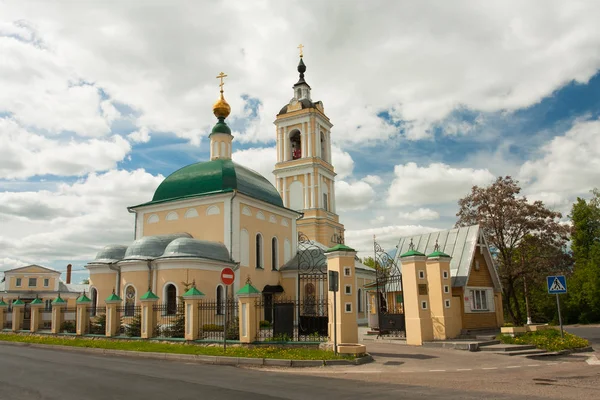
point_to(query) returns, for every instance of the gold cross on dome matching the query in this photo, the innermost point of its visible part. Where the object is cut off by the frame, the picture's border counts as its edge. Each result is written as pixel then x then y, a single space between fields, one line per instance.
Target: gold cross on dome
pixel 221 76
pixel 301 47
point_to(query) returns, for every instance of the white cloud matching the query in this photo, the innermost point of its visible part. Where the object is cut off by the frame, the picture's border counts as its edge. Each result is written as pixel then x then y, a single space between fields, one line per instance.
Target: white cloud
pixel 9 263
pixel 73 221
pixel 262 160
pixel 386 236
pixel 24 154
pixel 142 135
pixel 373 180
pixel 422 214
pixel 435 184
pixel 342 162
pixel 567 166
pixel 353 196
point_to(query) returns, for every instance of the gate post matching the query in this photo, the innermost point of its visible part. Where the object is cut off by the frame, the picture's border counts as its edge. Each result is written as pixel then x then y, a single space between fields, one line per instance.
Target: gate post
pixel 416 299
pixel 440 295
pixel 340 258
pixel 17 315
pixel 148 301
pixel 246 297
pixel 36 307
pixel 3 307
pixel 192 298
pixel 83 314
pixel 112 324
pixel 57 314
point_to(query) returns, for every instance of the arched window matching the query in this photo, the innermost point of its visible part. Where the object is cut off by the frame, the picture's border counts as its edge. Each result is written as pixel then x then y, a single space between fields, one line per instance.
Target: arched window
pixel 259 251
pixel 324 147
pixel 274 254
pixel 220 300
pixel 94 296
pixel 171 299
pixel 295 145
pixel 359 301
pixel 129 301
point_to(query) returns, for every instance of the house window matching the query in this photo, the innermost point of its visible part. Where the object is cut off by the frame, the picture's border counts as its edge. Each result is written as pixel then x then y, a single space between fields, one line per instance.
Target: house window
pixel 479 300
pixel 259 251
pixel 220 300
pixel 447 303
pixel 445 274
pixel 424 305
pixel 421 274
pixel 32 282
pixel 348 289
pixel 347 271
pixel 46 282
pixel 348 307
pixel 359 301
pixel 18 282
pixel 274 254
pixel 446 289
pixel 171 299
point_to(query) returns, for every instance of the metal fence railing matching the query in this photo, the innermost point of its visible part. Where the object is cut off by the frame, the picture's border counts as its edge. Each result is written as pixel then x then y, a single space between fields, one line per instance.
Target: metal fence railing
pixel 69 324
pixel 7 320
pixel 97 320
pixel 129 320
pixel 45 320
pixel 211 320
pixel 170 320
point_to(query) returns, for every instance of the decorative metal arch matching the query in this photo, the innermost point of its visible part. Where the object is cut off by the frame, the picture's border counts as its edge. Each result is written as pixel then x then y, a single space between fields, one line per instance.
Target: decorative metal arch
pixel 311 258
pixel 388 278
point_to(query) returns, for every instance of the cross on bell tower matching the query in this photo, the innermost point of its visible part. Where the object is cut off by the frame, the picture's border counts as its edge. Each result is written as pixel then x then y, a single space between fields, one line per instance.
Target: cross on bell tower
pixel 304 173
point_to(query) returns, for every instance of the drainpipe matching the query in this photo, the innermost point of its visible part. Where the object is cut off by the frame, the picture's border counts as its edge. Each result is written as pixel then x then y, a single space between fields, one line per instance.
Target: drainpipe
pixel 113 267
pixel 231 225
pixel 134 223
pixel 149 263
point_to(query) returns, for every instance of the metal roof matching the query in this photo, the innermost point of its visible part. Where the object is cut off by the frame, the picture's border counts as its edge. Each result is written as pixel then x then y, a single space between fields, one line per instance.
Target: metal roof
pixel 458 243
pixel 111 253
pixel 150 247
pixel 188 247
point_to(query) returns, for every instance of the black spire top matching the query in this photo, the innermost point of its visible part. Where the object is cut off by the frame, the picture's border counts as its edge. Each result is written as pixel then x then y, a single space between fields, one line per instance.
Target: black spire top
pixel 301 70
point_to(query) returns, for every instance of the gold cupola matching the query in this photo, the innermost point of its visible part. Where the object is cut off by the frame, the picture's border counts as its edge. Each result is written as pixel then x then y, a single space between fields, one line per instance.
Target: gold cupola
pixel 220 136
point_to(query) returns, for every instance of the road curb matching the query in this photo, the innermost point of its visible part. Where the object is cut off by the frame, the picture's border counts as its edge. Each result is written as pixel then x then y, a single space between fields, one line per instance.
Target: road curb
pixel 196 358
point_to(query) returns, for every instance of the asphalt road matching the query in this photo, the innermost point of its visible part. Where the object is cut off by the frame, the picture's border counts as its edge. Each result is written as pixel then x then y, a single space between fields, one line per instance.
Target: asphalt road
pixel 589 332
pixel 30 373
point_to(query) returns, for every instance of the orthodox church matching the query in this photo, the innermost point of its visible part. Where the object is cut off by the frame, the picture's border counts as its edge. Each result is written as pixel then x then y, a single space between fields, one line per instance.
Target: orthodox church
pixel 215 214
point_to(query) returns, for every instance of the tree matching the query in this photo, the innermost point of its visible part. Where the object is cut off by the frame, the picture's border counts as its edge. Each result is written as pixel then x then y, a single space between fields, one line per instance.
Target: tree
pixel 527 238
pixel 584 290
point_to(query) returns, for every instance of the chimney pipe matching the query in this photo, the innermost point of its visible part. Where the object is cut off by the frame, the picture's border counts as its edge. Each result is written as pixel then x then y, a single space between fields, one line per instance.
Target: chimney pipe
pixel 69 273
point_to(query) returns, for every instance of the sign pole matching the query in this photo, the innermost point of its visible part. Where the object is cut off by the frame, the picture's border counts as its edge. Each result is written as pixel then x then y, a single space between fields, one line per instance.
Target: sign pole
pixel 225 321
pixel 334 324
pixel 559 316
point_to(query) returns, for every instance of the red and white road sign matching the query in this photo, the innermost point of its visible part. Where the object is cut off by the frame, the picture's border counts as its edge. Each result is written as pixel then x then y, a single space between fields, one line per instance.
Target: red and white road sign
pixel 227 276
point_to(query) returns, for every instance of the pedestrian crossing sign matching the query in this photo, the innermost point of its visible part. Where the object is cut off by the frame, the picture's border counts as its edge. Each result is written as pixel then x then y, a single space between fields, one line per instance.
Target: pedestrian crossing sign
pixel 556 284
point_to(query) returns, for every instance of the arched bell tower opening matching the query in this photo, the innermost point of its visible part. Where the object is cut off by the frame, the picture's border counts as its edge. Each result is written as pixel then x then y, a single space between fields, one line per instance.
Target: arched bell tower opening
pixel 304 175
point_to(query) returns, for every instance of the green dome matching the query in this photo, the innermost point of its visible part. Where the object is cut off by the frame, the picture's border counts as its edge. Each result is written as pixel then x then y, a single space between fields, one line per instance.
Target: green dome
pixel 213 177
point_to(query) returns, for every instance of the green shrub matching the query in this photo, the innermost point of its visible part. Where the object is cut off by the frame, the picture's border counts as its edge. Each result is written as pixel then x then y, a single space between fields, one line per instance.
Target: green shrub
pixel 282 337
pixel 233 330
pixel 548 339
pixel 212 328
pixel 134 327
pixel 98 324
pixel 509 325
pixel 264 324
pixel 68 326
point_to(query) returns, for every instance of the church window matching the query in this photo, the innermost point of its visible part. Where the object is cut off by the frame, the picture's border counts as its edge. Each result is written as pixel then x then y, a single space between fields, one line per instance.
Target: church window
pixel 191 213
pixel 129 301
pixel 220 300
pixel 324 147
pixel 223 149
pixel 153 219
pixel 213 210
pixel 171 299
pixel 296 145
pixel 215 149
pixel 94 296
pixel 172 216
pixel 259 251
pixel 274 254
pixel 298 93
pixel 325 202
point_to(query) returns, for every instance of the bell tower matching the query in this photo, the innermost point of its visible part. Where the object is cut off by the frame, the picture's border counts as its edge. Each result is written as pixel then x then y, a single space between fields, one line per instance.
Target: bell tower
pixel 304 174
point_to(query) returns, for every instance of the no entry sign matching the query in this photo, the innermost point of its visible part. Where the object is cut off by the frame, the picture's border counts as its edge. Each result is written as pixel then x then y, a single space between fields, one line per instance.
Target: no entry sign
pixel 227 276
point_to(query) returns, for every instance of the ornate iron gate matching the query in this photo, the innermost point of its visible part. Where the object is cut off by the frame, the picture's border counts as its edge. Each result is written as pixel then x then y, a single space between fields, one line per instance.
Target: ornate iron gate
pixel 389 298
pixel 312 288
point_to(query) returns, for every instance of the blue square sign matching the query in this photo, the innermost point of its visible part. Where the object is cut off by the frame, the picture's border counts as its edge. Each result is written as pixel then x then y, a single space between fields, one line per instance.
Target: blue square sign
pixel 556 284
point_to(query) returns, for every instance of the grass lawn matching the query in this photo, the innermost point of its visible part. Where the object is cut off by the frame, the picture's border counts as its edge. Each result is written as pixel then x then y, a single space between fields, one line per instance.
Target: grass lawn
pixel 548 339
pixel 176 348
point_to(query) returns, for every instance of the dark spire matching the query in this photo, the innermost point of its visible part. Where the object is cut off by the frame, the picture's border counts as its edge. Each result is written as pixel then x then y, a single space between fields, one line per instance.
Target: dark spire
pixel 301 70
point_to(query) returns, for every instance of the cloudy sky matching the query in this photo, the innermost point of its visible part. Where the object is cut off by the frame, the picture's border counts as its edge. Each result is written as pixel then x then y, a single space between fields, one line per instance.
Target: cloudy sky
pixel 100 100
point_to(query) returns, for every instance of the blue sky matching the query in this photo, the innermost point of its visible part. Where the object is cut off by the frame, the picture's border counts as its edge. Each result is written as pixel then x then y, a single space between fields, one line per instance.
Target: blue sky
pixel 102 101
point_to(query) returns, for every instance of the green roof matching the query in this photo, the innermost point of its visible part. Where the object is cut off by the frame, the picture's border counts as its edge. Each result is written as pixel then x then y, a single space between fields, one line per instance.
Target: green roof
pixel 339 247
pixel 3 304
pixel 193 292
pixel 248 289
pixel 58 300
pixel 215 177
pixel 19 302
pixel 220 127
pixel 412 253
pixel 37 300
pixel 83 299
pixel 149 296
pixel 438 254
pixel 113 297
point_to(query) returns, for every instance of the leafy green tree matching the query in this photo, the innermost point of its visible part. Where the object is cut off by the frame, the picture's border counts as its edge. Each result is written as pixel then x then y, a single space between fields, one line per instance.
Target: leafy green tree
pixel 526 237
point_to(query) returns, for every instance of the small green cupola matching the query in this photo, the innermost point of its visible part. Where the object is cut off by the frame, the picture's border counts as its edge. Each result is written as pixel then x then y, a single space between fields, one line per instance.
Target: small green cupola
pixel 248 289
pixel 437 253
pixel 59 300
pixel 18 302
pixel 339 247
pixel 37 300
pixel 193 292
pixel 113 298
pixel 2 303
pixel 83 298
pixel 412 252
pixel 149 295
